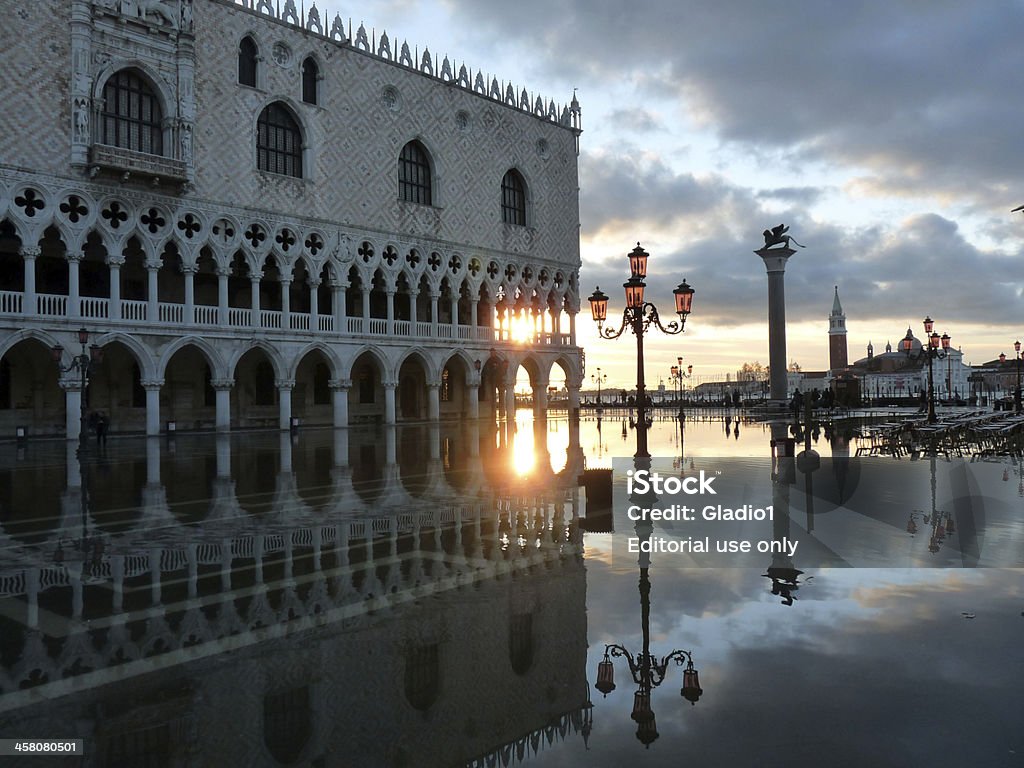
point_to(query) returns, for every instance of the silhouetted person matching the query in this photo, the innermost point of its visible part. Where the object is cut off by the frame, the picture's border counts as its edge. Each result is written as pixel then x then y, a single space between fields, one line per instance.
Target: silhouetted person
pixel 101 430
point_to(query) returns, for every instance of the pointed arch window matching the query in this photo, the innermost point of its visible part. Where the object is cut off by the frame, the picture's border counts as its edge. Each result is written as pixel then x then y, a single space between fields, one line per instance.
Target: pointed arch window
pixel 414 176
pixel 513 199
pixel 310 78
pixel 247 57
pixel 278 142
pixel 131 117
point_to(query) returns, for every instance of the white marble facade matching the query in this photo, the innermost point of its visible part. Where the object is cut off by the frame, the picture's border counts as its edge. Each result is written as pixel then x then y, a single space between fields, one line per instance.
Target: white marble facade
pixel 223 295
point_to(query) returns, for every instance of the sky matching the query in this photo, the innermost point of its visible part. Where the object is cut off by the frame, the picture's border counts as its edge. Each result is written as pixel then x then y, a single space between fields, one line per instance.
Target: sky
pixel 884 133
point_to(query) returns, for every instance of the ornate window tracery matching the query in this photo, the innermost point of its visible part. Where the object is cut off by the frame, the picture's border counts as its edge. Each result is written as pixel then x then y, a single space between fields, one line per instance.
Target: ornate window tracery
pixel 513 198
pixel 247 58
pixel 414 175
pixel 278 142
pixel 132 117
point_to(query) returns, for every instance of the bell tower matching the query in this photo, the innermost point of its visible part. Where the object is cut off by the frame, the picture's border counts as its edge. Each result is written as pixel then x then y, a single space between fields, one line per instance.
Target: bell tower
pixel 837 358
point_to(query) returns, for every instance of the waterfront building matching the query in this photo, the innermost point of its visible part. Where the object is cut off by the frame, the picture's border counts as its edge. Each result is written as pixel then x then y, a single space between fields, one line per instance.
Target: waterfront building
pixel 260 215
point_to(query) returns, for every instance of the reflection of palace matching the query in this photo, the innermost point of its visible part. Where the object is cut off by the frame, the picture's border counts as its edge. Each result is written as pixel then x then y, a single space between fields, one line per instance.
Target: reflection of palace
pixel 349 595
pixel 261 216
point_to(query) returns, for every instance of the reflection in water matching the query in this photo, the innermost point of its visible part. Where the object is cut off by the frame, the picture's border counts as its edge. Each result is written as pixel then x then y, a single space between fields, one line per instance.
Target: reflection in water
pixel 418 597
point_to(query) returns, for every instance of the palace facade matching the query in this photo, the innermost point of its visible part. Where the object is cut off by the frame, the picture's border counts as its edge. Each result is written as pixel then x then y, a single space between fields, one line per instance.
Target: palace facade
pixel 259 216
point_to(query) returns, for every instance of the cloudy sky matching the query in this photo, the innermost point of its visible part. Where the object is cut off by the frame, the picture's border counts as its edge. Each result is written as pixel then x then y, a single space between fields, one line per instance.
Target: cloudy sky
pixel 884 132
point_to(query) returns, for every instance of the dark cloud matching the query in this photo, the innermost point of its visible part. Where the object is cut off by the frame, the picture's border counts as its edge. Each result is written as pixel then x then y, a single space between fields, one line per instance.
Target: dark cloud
pixel 925 95
pixel 635 120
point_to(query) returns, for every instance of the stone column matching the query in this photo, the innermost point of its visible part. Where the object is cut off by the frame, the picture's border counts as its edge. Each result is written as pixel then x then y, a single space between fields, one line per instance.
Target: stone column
pixel 510 401
pixel 413 293
pixel 152 291
pixel 433 401
pixel 775 263
pixel 286 303
pixel 254 288
pixel 314 305
pixel 189 272
pixel 152 388
pixel 474 301
pixel 572 328
pixel 455 313
pixel 284 396
pixel 74 300
pixel 473 400
pixel 222 295
pixel 222 387
pixel 338 306
pixel 72 407
pixel 434 296
pixel 540 398
pixel 366 308
pixel 114 304
pixel 339 397
pixel 389 402
pixel 29 253
pixel 391 311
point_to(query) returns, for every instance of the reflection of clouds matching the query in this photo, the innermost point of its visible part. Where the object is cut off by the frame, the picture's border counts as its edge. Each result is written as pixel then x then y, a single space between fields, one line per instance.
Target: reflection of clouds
pixel 885 673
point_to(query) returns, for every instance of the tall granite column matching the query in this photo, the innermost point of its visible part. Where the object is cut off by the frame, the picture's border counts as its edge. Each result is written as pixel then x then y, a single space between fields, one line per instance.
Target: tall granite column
pixel 775 263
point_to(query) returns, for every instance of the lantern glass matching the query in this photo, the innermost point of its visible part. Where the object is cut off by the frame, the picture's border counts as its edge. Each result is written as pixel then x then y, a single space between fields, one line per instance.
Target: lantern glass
pixel 605 677
pixel 933 341
pixel 691 690
pixel 945 341
pixel 684 299
pixel 1016 346
pixel 58 352
pixel 908 342
pixel 675 371
pixel 642 712
pixel 634 292
pixel 83 336
pixel 928 325
pixel 647 732
pixel 689 370
pixel 638 262
pixel 598 305
pixel 1002 357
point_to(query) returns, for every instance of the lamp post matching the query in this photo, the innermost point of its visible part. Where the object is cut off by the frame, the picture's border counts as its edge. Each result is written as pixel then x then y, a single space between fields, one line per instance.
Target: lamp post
pixel 83 363
pixel 932 350
pixel 599 378
pixel 677 377
pixel 1016 392
pixel 638 317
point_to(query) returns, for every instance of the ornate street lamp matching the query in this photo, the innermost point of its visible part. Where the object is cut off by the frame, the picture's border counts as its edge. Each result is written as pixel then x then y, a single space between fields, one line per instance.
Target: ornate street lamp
pixel 936 347
pixel 83 363
pixel 677 375
pixel 638 317
pixel 1016 392
pixel 599 378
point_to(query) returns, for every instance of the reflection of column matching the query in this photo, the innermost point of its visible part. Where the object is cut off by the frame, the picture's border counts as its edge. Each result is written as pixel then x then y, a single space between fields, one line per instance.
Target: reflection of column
pixel 223 455
pixel 284 394
pixel 285 448
pixel 339 399
pixel 509 397
pixel 434 441
pixel 782 571
pixel 152 388
pixel 390 445
pixel 389 402
pixel 152 461
pixel 73 467
pixel 341 447
pixel 433 401
pixel 222 388
pixel 72 407
pixel 540 398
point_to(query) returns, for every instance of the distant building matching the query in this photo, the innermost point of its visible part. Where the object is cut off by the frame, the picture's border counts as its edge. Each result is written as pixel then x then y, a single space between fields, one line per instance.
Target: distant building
pixel 837 358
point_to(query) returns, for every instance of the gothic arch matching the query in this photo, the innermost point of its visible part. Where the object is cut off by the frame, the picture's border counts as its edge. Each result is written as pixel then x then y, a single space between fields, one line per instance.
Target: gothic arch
pixel 268 349
pixel 143 356
pixel 218 366
pixel 320 346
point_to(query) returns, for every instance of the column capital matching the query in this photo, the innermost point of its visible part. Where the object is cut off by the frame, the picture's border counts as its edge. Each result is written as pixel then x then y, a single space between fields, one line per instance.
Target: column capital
pixel 255 277
pixel 314 282
pixel 284 280
pixel 153 265
pixel 188 269
pixel 151 384
pixel 340 383
pixel 391 384
pixel 30 251
pixel 74 257
pixel 433 385
pixel 115 261
pixel 222 384
pixel 223 271
pixel 283 384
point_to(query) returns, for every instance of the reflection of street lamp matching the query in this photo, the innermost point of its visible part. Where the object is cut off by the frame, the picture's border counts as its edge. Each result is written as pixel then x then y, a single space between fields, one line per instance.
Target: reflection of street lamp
pixel 932 351
pixel 638 317
pixel 83 363
pixel 599 378
pixel 941 522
